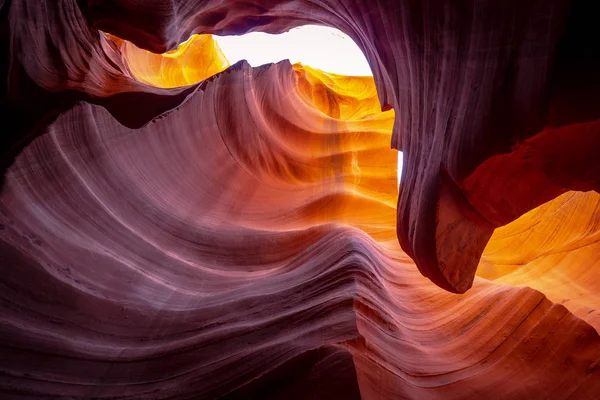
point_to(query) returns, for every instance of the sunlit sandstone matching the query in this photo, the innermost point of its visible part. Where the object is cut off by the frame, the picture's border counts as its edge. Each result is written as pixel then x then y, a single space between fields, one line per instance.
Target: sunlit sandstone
pixel 238 232
pixel 186 65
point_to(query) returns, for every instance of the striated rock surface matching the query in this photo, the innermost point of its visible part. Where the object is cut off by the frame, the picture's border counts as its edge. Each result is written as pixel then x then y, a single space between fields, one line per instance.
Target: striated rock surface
pixel 554 249
pixel 469 82
pixel 240 237
pixel 193 61
pixel 137 271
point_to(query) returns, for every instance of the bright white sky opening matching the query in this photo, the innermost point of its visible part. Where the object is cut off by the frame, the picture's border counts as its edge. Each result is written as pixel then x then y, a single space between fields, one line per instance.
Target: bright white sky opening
pixel 324 48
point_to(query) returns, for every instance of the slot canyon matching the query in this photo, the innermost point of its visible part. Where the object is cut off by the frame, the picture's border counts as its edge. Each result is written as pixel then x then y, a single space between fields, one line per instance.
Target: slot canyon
pixel 176 226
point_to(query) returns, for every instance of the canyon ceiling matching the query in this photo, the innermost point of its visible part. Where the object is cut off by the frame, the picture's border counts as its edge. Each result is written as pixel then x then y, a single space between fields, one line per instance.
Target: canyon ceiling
pixel 173 227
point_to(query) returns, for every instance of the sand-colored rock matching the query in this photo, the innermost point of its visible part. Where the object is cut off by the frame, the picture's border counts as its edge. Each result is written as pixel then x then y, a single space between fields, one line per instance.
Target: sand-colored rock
pixel 244 237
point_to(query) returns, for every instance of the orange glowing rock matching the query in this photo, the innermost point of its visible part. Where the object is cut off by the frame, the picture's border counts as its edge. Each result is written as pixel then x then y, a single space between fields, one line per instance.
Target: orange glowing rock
pixel 341 97
pixel 193 61
pixel 555 249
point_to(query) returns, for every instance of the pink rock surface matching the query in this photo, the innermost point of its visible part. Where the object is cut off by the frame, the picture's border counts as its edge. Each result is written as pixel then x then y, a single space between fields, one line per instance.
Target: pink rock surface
pixel 213 240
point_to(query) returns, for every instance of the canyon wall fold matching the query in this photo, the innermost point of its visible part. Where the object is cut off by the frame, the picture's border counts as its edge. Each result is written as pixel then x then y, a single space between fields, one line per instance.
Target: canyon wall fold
pixel 172 227
pixel 474 85
pixel 137 269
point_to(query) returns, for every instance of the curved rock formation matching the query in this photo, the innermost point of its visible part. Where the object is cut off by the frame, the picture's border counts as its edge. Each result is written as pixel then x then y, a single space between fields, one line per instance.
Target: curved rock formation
pixel 554 249
pixel 186 65
pixel 468 82
pixel 238 238
pixel 162 280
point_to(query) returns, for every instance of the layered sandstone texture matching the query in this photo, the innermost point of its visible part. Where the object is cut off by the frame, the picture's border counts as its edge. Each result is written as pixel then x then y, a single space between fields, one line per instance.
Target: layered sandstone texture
pixel 173 227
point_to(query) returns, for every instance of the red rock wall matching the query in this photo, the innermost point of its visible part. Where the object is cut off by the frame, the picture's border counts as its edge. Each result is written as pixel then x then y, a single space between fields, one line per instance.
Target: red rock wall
pixel 238 238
